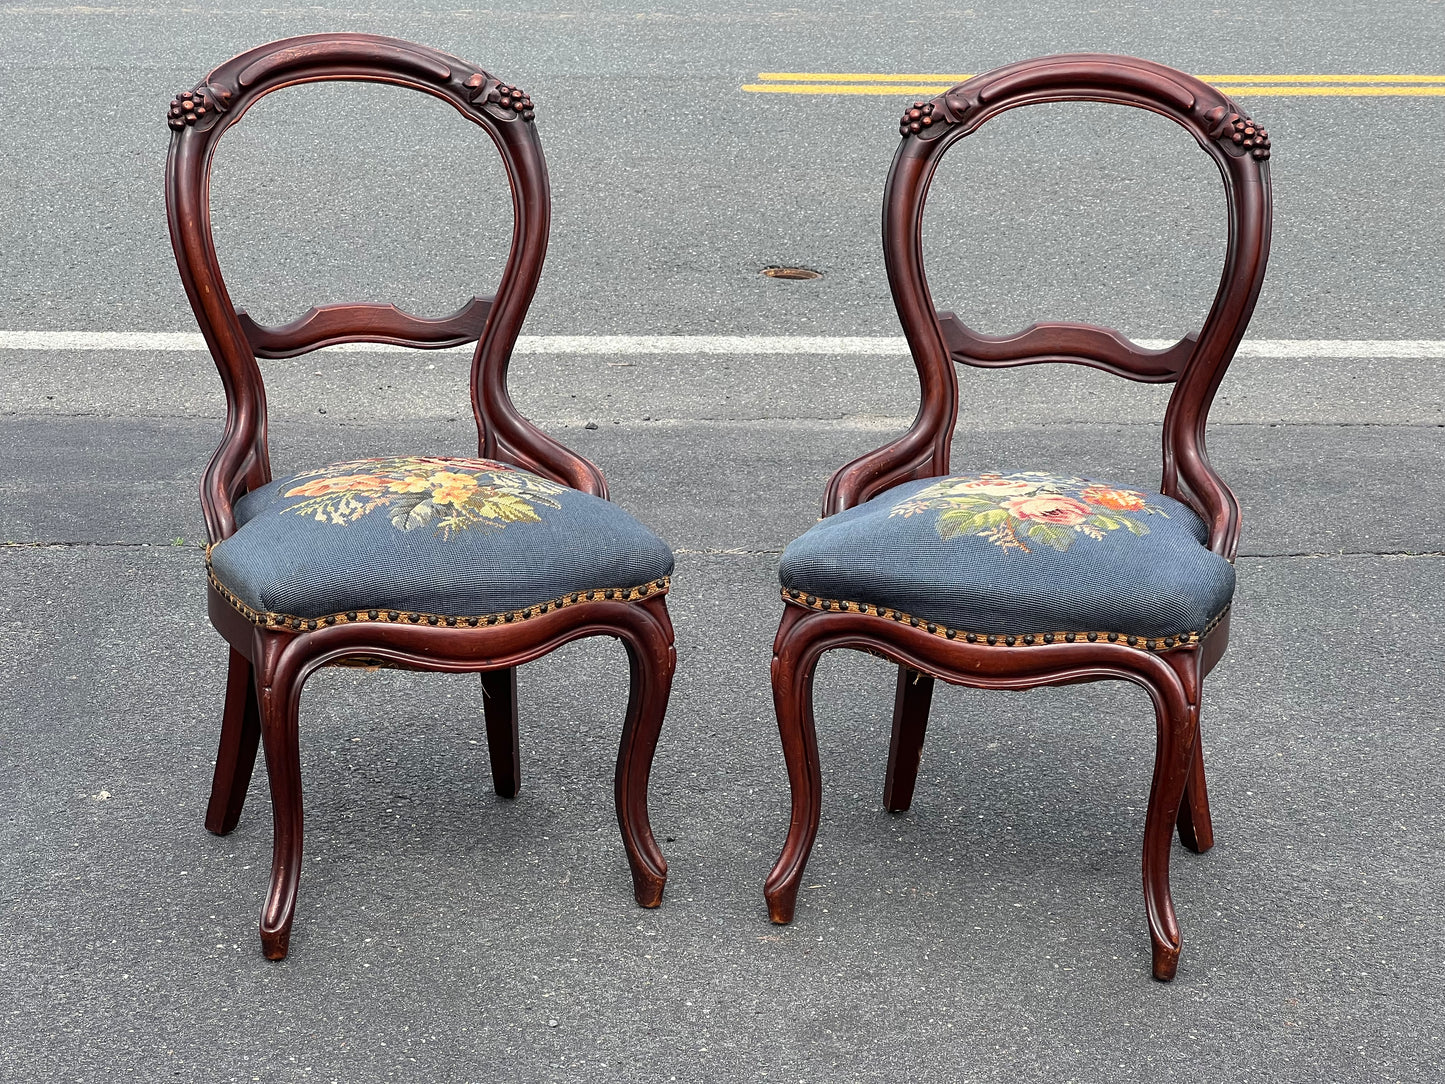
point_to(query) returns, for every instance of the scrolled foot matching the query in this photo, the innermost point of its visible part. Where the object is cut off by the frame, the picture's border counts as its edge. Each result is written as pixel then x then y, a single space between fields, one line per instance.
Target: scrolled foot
pixel 647 884
pixel 1166 961
pixel 782 901
pixel 276 942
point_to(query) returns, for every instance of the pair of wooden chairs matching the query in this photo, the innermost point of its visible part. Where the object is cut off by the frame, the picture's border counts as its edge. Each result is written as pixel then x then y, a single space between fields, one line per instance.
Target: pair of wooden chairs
pixel 993 580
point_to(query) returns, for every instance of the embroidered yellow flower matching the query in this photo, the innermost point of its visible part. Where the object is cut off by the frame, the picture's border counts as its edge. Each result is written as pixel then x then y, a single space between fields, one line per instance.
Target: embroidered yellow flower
pixel 417 483
pixel 448 487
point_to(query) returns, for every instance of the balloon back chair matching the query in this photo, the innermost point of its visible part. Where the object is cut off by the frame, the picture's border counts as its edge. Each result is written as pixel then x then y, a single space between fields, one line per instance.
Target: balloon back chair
pixel 1005 579
pixel 423 562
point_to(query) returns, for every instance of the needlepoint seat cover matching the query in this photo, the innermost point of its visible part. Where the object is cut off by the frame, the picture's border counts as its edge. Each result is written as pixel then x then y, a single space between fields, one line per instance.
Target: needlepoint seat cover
pixel 431 535
pixel 1021 553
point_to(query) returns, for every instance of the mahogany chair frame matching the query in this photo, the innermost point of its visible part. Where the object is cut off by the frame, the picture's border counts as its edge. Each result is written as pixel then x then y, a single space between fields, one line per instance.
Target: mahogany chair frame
pixel 1170 670
pixel 270 661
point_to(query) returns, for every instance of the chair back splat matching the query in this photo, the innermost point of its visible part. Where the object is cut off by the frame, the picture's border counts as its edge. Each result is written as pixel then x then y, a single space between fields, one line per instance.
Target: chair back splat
pixel 1196 364
pixel 199 118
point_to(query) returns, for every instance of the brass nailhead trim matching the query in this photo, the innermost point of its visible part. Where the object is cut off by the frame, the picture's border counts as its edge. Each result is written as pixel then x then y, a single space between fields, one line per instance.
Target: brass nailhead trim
pixel 288 621
pixel 1162 643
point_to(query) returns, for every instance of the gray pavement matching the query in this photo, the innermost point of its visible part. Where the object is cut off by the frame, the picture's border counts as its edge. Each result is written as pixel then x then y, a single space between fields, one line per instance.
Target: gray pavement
pixel 995 932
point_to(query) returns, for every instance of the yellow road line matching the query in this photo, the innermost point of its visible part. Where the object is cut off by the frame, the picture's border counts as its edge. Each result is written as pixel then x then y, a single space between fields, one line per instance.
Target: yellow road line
pixel 1323 78
pixel 857 77
pixel 938 77
pixel 842 88
pixel 1272 91
pixel 1272 85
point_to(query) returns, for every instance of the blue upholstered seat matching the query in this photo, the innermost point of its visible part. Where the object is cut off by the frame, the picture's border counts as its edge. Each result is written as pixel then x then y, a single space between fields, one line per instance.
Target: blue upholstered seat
pixel 451 537
pixel 1018 554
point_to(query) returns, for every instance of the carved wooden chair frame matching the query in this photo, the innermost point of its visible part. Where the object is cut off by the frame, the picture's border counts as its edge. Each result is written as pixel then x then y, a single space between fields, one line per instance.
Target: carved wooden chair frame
pixel 270 662
pixel 1170 671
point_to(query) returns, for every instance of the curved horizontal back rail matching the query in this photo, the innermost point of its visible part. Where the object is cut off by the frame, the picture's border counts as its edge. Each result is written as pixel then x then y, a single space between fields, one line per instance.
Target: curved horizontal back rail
pixel 331 325
pixel 1082 344
pixel 1197 363
pixel 199 117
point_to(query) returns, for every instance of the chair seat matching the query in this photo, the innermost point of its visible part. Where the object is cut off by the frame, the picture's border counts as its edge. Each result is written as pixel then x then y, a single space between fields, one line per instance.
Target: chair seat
pixel 1023 554
pixel 427 535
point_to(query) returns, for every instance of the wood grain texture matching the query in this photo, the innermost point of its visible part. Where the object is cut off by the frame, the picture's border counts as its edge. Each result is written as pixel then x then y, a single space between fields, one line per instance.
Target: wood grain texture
pixel 937 340
pixel 269 665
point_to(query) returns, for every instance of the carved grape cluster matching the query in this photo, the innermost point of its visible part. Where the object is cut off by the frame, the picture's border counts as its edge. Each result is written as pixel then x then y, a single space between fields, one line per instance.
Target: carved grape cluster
pixel 187 108
pixel 918 117
pixel 1249 135
pixel 514 98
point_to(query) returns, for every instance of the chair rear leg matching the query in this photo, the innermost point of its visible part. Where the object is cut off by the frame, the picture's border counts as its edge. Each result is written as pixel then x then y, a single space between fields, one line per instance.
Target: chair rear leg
pixel 236 756
pixel 499 705
pixel 1196 830
pixel 910 720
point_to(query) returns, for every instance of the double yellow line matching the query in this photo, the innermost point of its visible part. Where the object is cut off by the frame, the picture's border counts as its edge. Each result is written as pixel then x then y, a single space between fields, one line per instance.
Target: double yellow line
pixel 1277 85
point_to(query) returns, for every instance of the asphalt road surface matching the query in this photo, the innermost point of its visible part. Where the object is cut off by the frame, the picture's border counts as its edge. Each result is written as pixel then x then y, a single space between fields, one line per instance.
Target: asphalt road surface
pixel 993 933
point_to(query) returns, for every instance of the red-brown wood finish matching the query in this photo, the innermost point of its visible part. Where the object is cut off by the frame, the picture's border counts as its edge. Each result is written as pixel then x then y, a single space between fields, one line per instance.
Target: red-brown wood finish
pixel 269 665
pixel 937 340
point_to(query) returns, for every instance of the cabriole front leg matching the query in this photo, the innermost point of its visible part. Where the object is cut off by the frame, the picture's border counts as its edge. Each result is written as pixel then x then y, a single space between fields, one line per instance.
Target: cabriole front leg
pixel 278 686
pixel 794 661
pixel 1177 729
pixel 651 659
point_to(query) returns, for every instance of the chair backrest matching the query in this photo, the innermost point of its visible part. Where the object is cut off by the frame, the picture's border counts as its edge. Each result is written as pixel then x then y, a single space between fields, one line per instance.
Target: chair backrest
pixel 198 118
pixel 937 339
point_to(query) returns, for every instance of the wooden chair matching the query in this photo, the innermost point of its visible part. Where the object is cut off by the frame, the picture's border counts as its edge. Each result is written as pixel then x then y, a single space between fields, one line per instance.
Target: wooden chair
pixel 424 563
pixel 1008 581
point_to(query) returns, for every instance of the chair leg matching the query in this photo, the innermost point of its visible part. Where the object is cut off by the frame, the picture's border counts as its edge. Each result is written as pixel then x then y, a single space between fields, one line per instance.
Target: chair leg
pixel 279 694
pixel 1177 727
pixel 236 757
pixel 499 705
pixel 910 720
pixel 793 666
pixel 651 659
pixel 1196 829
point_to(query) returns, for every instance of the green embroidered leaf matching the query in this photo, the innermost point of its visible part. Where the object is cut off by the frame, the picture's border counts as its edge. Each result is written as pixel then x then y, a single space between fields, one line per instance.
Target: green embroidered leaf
pixel 412 510
pixel 962 521
pixel 1109 523
pixel 1135 527
pixel 1060 538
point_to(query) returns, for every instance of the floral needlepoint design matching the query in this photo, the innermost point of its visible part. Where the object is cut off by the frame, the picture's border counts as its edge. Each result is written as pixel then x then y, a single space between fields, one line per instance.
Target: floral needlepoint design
pixel 448 495
pixel 1015 509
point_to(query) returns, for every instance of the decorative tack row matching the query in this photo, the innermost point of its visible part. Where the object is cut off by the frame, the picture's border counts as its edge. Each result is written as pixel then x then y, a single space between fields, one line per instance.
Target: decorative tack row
pixel 1027 639
pixel 409 617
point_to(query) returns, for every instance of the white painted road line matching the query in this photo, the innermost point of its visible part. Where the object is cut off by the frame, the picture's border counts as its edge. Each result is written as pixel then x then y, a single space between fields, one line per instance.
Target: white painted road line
pixel 181 341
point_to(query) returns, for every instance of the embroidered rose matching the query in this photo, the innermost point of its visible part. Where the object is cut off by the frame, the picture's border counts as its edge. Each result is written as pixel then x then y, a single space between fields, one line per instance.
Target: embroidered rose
pixel 995 485
pixel 1123 500
pixel 1016 512
pixel 320 487
pixel 1065 511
